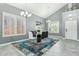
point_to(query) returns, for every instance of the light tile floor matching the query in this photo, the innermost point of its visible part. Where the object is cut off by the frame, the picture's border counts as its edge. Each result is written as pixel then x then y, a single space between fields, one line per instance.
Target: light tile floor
pixel 64 48
pixel 10 50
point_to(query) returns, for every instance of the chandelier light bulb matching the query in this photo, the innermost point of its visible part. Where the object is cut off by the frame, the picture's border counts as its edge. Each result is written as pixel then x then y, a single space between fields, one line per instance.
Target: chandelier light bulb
pixel 29 15
pixel 48 21
pixel 26 13
pixel 22 13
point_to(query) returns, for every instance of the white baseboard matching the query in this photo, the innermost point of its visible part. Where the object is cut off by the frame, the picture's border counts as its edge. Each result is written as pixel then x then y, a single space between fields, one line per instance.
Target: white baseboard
pixel 12 42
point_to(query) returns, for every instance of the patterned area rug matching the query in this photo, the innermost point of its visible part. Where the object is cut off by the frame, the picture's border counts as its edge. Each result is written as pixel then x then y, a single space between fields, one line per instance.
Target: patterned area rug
pixel 31 48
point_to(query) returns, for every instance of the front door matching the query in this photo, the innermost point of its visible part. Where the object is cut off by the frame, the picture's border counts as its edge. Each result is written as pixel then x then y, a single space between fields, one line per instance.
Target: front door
pixel 71 28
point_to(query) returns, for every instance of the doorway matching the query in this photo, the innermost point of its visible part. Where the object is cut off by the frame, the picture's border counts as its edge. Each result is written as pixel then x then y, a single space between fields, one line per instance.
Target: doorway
pixel 71 28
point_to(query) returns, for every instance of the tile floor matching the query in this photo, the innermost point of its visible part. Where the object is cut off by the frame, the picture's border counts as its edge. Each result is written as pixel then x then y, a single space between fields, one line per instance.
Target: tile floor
pixel 10 50
pixel 64 48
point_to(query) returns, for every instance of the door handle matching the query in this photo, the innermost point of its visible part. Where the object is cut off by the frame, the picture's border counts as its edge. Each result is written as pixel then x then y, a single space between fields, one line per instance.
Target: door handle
pixel 66 30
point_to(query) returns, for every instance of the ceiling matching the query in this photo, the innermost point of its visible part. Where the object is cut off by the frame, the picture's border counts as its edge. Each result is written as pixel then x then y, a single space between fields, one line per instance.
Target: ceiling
pixel 40 9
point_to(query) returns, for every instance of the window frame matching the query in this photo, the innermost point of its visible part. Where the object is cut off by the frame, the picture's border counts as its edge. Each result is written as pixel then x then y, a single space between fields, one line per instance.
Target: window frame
pixel 15 25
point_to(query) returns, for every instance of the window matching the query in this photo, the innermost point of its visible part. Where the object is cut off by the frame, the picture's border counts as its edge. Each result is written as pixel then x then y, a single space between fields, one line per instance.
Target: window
pixel 13 25
pixel 53 27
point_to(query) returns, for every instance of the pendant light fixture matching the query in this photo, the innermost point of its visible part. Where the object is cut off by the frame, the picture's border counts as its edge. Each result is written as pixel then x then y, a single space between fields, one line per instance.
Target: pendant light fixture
pixel 25 14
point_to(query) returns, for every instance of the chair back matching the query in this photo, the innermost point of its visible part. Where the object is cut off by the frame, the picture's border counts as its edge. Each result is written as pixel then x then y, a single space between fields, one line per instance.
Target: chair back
pixel 31 35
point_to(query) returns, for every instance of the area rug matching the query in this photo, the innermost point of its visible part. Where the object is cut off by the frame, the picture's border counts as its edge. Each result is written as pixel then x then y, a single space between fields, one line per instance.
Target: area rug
pixel 35 49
